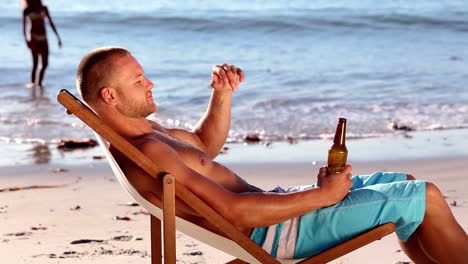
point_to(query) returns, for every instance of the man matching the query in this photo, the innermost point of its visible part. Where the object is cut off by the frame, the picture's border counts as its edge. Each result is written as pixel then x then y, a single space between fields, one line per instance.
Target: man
pixel 290 224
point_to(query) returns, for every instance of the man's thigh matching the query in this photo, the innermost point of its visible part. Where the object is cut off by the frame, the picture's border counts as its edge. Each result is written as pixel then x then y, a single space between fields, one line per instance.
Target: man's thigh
pixel 400 202
pixel 361 181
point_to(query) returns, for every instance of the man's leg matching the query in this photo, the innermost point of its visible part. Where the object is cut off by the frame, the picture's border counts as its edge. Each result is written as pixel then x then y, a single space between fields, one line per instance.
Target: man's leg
pixel 434 216
pixel 411 247
pixel 379 198
pixel 440 236
pixel 413 250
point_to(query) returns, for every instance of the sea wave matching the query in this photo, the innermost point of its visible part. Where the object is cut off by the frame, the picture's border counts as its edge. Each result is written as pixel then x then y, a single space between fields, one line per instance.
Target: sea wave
pixel 30 122
pixel 291 21
pixel 302 21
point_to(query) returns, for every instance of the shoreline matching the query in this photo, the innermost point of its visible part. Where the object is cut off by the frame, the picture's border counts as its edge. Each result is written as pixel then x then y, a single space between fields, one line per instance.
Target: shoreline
pixel 399 146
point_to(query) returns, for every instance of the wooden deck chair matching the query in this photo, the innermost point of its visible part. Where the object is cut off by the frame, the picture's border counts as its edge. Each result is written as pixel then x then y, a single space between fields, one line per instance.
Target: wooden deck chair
pixel 231 240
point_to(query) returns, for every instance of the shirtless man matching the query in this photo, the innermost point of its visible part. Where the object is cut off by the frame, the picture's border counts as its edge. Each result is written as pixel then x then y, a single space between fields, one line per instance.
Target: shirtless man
pixel 113 83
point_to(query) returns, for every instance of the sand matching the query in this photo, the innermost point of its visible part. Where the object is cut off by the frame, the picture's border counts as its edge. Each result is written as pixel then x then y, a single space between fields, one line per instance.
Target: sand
pixel 75 223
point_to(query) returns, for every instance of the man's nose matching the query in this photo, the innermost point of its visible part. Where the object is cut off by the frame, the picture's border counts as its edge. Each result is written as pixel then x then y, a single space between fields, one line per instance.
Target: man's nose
pixel 149 85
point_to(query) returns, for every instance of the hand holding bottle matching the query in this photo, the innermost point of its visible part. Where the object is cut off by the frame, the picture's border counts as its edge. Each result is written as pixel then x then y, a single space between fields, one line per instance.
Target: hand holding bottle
pixel 335 186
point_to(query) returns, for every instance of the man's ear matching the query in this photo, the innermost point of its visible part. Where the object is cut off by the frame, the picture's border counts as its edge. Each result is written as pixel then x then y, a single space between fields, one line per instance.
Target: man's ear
pixel 108 95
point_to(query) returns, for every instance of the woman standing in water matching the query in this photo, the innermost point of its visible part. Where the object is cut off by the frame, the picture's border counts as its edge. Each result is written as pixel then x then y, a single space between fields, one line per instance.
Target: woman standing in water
pixel 36 13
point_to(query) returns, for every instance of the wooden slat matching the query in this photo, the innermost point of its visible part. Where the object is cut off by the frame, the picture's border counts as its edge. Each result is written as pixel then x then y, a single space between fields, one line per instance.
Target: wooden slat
pixel 351 245
pixel 155 228
pixel 169 219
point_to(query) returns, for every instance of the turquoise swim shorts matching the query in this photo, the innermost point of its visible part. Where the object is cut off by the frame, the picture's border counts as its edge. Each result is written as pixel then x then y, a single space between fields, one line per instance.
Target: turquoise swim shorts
pixel 373 200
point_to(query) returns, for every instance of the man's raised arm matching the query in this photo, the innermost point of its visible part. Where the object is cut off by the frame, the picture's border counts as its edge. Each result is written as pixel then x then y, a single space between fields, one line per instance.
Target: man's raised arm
pixel 212 130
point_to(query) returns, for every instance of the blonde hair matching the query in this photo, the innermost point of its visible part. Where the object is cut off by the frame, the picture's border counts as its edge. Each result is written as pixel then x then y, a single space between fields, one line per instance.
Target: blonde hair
pixel 97 71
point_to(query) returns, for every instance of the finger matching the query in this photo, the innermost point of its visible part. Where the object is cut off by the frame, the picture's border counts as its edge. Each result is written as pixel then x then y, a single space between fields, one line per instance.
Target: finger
pixel 233 86
pixel 233 81
pixel 232 76
pixel 226 67
pixel 348 169
pixel 241 75
pixel 323 171
pixel 214 78
pixel 223 74
pixel 230 79
pixel 218 81
pixel 219 69
pixel 233 69
pixel 236 78
pixel 225 70
pixel 229 72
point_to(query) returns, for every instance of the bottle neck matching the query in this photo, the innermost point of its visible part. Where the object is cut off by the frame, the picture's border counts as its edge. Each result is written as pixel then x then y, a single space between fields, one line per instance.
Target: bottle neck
pixel 340 134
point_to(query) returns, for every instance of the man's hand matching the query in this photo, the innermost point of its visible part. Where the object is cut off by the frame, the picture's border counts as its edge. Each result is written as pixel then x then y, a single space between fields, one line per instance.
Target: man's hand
pixel 335 186
pixel 226 77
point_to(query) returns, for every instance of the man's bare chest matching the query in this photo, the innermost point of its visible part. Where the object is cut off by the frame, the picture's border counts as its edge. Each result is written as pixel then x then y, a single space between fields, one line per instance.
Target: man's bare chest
pixel 192 156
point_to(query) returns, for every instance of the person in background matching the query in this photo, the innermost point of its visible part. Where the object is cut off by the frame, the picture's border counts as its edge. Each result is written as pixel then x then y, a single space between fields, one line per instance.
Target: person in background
pixel 36 14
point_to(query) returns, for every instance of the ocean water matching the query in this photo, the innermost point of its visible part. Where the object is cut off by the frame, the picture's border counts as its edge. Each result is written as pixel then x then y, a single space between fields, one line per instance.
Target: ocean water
pixel 306 64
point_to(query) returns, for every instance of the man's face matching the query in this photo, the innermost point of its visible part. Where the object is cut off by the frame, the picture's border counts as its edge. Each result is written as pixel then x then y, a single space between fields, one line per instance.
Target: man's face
pixel 133 88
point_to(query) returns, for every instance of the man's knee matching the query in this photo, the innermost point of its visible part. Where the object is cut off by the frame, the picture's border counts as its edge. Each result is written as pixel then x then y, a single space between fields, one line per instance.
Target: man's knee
pixel 432 190
pixel 434 196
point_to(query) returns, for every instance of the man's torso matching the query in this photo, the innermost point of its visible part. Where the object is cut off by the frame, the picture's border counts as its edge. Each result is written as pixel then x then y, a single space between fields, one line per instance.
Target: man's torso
pixel 200 162
pixel 194 158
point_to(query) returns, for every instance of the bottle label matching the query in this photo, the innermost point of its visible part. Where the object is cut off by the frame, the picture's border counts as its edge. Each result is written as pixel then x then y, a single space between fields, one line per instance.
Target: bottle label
pixel 336 165
pixel 334 168
pixel 336 160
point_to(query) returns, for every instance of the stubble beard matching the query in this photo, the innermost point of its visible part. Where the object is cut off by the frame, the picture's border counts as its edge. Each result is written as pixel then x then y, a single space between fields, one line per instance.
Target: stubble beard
pixel 138 110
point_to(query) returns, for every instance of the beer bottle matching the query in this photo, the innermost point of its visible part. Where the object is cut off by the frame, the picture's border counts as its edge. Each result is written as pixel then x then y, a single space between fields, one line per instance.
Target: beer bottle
pixel 338 153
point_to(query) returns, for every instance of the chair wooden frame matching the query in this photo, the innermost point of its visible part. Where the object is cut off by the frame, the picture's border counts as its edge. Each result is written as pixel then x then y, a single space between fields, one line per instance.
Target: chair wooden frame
pixel 172 189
